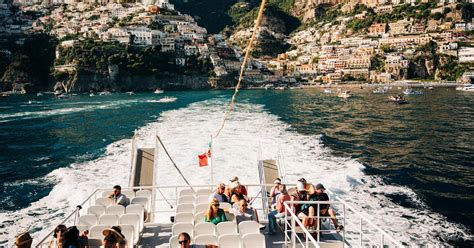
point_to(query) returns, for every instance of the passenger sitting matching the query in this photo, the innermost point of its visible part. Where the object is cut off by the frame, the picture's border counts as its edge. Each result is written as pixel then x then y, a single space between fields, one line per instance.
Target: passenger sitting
pixel 280 209
pixel 71 238
pixel 57 237
pixel 236 193
pixel 275 190
pixel 23 240
pixel 118 198
pixel 219 194
pixel 113 238
pixel 325 209
pixel 184 241
pixel 243 212
pixel 304 211
pixel 214 214
pixel 234 181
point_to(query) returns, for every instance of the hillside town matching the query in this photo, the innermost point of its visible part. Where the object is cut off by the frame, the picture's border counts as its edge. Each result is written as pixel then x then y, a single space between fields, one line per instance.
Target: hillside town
pixel 438 47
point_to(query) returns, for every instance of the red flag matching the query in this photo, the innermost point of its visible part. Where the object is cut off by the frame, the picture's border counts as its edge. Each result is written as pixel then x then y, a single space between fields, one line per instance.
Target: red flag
pixel 202 160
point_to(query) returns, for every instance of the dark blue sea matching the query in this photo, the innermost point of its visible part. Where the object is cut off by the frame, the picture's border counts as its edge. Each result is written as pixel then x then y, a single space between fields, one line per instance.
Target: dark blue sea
pixel 425 146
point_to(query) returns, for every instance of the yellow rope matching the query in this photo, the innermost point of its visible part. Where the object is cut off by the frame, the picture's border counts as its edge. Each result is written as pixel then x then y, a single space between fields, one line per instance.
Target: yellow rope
pixel 244 63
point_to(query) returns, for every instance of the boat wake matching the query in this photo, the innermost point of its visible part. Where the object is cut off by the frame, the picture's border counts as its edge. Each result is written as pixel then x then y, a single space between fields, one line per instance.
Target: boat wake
pixel 250 134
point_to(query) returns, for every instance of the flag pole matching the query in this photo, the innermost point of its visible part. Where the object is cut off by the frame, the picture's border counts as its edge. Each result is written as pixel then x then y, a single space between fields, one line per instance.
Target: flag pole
pixel 212 162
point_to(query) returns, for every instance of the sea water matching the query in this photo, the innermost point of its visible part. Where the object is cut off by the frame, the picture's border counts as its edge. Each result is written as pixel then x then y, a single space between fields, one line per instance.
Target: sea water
pixel 408 166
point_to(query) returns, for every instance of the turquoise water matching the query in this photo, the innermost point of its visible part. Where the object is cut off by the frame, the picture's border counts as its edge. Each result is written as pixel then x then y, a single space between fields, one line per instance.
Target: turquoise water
pixel 425 145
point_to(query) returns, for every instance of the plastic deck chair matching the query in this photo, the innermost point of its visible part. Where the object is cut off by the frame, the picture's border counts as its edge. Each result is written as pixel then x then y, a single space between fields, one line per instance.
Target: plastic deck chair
pixel 134 221
pixel 187 199
pixel 88 220
pixel 82 228
pixel 97 210
pixel 225 205
pixel 205 228
pixel 96 231
pixel 184 218
pixel 229 241
pixel 183 227
pixel 109 219
pixel 199 218
pixel 143 193
pixel 128 193
pixel 253 240
pixel 202 199
pixel 204 192
pixel 142 201
pixel 185 192
pixel 115 209
pixel 174 242
pixel 129 232
pixel 205 239
pixel 184 208
pixel 104 201
pixel 230 216
pixel 248 226
pixel 201 208
pixel 226 228
pixel 137 209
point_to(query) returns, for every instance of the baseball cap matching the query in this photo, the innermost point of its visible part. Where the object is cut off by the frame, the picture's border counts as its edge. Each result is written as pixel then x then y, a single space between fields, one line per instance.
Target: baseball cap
pixel 320 186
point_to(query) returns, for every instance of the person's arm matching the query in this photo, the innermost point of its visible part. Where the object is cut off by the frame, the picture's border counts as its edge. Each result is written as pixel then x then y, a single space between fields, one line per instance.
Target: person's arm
pixel 272 191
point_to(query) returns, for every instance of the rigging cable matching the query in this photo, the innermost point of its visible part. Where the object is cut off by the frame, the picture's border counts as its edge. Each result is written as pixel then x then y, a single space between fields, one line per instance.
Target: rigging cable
pixel 242 68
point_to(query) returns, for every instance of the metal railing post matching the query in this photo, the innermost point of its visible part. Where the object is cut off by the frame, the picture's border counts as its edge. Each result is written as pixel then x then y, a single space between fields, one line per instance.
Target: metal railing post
pixel 344 223
pixel 382 241
pixel 360 231
pixel 293 238
pixel 286 227
pixel 318 227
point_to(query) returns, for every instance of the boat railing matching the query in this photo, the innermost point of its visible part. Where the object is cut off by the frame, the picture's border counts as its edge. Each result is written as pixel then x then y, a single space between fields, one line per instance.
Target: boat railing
pixel 359 231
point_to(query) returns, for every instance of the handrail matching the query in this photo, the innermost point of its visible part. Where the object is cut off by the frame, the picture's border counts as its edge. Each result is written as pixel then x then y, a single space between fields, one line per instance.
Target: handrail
pixel 294 218
pixel 67 218
pixel 132 162
pixel 385 234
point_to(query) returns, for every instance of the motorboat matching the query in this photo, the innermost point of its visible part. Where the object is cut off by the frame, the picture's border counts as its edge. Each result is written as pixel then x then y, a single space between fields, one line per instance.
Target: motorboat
pixel 412 92
pixel 467 87
pixel 397 99
pixel 268 86
pixel 130 93
pixel 39 94
pixel 158 91
pixel 345 94
pixel 105 93
pixel 167 99
pixel 327 91
pixel 280 88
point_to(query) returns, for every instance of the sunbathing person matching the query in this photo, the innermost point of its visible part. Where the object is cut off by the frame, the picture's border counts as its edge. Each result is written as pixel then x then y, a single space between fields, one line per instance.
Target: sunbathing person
pixel 325 209
pixel 214 214
pixel 219 194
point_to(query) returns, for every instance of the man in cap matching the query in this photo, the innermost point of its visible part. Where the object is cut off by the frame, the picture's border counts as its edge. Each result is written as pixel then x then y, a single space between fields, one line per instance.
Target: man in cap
pixel 325 209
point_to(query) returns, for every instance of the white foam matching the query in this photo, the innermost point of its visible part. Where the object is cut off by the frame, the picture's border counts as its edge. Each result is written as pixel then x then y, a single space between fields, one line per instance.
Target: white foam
pixel 186 133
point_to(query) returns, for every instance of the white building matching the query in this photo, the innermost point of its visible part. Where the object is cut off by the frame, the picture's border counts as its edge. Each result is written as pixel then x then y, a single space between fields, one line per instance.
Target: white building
pixel 466 54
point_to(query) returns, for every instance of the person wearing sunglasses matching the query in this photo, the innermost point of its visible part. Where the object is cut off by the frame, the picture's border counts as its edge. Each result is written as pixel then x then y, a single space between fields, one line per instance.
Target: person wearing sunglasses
pixel 242 212
pixel 214 214
pixel 184 240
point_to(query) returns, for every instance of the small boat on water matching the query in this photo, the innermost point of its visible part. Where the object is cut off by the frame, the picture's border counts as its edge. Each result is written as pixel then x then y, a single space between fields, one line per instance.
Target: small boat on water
pixel 63 95
pixel 327 91
pixel 39 94
pixel 345 94
pixel 105 93
pixel 268 86
pixel 379 91
pixel 397 99
pixel 412 92
pixel 130 93
pixel 158 91
pixel 467 87
pixel 167 99
pixel 280 88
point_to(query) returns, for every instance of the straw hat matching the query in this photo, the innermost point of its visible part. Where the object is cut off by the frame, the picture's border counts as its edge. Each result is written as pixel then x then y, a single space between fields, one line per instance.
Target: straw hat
pixel 116 231
pixel 23 240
